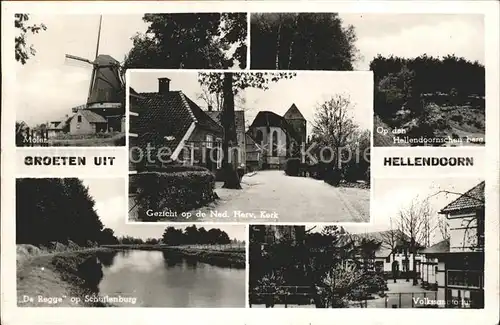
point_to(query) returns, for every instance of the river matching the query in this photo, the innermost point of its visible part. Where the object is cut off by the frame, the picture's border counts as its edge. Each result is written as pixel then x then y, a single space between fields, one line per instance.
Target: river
pixel 164 279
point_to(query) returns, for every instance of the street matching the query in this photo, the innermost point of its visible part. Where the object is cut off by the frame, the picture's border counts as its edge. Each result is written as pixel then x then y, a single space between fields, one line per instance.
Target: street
pixel 272 196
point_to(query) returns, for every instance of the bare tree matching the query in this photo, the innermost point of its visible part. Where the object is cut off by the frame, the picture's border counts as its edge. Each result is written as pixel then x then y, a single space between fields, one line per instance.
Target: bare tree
pixel 391 239
pixel 216 99
pixel 333 125
pixel 414 224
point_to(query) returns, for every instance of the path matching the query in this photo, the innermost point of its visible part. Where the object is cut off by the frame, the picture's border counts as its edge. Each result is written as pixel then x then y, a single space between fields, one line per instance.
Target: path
pixel 271 196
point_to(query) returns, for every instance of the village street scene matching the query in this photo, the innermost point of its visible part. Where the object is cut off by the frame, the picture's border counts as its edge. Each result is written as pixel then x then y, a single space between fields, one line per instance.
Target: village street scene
pixel 71 88
pixel 74 249
pixel 428 253
pixel 249 146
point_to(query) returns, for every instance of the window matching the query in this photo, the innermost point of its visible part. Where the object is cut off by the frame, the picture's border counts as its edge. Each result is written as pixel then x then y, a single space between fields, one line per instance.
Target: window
pixel 259 137
pixel 274 144
pixel 79 119
pixel 465 278
pixel 209 141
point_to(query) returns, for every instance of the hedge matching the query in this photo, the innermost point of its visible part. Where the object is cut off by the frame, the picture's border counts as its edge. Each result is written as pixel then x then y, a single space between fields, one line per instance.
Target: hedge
pixel 172 192
pixel 293 167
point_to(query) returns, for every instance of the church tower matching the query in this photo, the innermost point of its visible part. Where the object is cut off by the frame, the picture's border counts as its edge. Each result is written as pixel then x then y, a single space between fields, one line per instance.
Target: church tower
pixel 295 118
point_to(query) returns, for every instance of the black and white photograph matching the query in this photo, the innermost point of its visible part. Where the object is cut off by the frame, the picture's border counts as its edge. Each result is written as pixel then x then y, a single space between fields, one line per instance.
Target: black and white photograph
pixel 250 146
pixel 74 249
pixel 425 249
pixel 70 68
pixel 428 68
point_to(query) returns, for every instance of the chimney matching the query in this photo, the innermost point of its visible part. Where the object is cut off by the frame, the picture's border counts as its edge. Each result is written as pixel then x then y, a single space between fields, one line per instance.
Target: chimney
pixel 209 108
pixel 163 85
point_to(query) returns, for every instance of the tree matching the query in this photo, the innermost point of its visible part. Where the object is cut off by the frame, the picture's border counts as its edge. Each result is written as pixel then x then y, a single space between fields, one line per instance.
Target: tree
pixel 392 239
pixel 190 41
pixel 333 129
pixel 301 41
pixel 414 223
pixel 56 210
pixel 231 84
pixel 23 51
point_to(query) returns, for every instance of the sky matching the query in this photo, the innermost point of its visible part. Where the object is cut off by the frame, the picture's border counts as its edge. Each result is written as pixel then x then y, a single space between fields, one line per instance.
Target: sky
pixel 306 90
pixel 393 195
pixel 50 85
pixel 411 35
pixel 111 206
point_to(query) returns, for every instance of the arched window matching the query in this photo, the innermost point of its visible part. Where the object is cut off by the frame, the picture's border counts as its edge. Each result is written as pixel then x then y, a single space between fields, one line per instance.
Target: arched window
pixel 274 144
pixel 259 137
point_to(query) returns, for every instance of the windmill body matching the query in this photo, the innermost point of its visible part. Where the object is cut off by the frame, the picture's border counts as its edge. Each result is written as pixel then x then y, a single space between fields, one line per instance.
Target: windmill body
pixel 104 109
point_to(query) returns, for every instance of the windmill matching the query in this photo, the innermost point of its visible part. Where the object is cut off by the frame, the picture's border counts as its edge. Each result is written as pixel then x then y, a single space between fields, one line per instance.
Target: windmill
pixel 106 94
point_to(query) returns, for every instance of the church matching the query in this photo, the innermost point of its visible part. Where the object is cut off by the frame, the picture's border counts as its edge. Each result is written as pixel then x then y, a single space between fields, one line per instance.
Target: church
pixel 278 137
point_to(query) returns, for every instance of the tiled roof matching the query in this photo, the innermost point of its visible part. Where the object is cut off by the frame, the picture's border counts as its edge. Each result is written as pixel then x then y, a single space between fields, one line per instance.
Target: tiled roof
pixel 202 119
pixel 92 117
pixel 441 247
pixel 293 113
pixel 162 115
pixel 164 119
pixel 267 118
pixel 239 119
pixel 473 198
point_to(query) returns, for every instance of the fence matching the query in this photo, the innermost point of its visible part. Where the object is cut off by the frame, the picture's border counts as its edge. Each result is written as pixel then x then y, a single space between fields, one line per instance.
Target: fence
pixel 283 295
pixel 218 247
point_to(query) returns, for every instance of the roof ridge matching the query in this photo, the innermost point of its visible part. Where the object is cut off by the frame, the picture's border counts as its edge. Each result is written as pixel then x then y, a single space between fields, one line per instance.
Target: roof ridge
pixel 465 194
pixel 188 107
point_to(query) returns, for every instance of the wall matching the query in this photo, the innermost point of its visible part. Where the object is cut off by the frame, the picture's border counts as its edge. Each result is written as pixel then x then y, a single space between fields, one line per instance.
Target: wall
pixel 197 140
pixel 400 258
pixel 460 227
pixel 440 277
pixel 299 126
pixel 81 128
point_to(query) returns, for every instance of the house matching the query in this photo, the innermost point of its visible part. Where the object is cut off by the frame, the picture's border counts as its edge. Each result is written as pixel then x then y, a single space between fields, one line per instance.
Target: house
pixel 429 265
pixel 392 256
pixel 85 121
pixel 459 268
pixel 280 137
pixel 174 128
pixel 57 127
pixel 239 120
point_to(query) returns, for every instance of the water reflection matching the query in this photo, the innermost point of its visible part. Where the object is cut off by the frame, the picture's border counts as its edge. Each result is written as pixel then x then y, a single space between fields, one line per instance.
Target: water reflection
pixel 167 279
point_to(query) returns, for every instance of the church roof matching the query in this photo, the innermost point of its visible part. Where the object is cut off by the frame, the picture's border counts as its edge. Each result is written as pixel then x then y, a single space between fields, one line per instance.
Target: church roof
pixel 293 113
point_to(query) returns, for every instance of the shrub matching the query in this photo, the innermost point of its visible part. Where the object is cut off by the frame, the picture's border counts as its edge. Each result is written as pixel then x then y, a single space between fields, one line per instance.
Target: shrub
pixel 292 166
pixel 333 177
pixel 457 118
pixel 173 192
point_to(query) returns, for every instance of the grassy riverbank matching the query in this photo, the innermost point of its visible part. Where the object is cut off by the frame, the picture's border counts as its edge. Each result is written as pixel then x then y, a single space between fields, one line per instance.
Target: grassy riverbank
pixel 61 279
pixel 219 255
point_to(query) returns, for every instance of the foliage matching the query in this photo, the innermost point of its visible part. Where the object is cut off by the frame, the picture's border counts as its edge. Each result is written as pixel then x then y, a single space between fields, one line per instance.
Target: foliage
pixel 190 41
pixel 415 94
pixel 23 51
pixel 292 166
pixel 193 235
pixel 301 41
pixel 450 75
pixel 173 192
pixel 57 210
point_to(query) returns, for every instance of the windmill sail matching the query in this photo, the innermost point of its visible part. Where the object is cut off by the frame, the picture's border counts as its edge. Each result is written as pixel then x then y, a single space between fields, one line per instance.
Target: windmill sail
pixel 106 86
